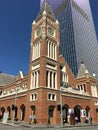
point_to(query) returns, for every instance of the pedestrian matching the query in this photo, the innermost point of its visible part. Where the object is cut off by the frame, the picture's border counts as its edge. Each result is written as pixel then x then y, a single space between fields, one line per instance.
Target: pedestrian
pixel 30 119
pixel 75 120
pixel 86 120
pixel 90 119
pixel 48 120
pixel 35 119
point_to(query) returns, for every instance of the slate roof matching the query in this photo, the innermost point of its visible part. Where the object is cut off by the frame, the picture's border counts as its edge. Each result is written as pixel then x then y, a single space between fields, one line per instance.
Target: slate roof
pixel 82 70
pixel 6 79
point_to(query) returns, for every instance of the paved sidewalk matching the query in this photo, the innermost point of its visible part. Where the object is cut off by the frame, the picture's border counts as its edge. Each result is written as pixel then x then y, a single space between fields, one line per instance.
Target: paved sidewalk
pixel 27 125
pixel 56 126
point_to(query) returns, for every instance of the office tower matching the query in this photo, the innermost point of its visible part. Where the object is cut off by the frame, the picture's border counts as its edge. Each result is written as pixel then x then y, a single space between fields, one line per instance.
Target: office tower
pixel 78 40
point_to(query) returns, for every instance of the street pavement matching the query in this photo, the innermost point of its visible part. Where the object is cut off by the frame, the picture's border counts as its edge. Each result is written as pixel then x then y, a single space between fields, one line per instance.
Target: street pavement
pixel 26 126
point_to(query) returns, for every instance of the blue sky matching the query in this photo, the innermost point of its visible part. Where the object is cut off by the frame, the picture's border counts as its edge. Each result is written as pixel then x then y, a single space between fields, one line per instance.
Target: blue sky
pixel 16 17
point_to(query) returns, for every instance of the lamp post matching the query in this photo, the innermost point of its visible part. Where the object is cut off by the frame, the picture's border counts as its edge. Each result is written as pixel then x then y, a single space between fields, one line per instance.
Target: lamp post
pixel 14 105
pixel 61 112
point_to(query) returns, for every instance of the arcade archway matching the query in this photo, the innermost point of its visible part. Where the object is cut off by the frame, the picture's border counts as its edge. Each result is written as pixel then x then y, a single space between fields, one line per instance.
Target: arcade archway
pixel 97 114
pixel 87 111
pixel 22 107
pixel 77 112
pixel 51 114
pixel 16 111
pixel 2 110
pixel 65 113
pixel 9 111
pixel 33 109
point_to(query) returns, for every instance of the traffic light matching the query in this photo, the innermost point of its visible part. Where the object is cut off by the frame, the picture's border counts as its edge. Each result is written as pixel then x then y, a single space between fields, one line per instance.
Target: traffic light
pixel 59 107
pixel 14 107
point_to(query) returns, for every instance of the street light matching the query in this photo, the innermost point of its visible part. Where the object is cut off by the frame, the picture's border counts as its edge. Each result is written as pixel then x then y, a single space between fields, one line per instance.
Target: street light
pixel 61 112
pixel 14 105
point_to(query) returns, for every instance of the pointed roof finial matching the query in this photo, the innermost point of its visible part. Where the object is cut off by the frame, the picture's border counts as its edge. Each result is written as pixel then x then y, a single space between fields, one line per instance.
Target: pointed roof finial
pixel 94 75
pixel 45 4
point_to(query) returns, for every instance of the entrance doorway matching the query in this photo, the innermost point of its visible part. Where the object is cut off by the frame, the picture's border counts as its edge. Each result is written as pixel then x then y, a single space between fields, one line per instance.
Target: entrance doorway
pixel 77 112
pixel 22 107
pixel 97 114
pixel 16 110
pixel 9 111
pixel 33 109
pixel 2 110
pixel 50 114
pixel 88 111
pixel 65 113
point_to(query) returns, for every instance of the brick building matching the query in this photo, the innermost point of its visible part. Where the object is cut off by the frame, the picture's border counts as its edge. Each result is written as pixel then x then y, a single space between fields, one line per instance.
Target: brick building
pixel 49 81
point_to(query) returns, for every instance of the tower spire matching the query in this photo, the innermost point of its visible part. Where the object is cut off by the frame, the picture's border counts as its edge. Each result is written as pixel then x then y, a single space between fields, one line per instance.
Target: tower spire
pixel 46 7
pixel 45 4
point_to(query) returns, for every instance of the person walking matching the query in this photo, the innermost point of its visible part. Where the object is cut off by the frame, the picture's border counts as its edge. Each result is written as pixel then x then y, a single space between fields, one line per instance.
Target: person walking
pixel 75 120
pixel 90 119
pixel 86 119
pixel 35 119
pixel 48 120
pixel 30 119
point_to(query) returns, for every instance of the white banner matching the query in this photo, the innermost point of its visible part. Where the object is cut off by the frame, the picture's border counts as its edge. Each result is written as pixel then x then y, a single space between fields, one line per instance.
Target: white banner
pixel 70 111
pixel 83 113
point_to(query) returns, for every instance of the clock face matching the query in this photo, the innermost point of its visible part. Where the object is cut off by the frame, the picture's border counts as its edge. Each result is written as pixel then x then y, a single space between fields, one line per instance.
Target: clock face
pixel 51 31
pixel 38 32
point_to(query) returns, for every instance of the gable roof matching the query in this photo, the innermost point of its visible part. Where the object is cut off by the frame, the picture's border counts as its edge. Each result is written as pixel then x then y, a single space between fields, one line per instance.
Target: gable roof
pixel 6 79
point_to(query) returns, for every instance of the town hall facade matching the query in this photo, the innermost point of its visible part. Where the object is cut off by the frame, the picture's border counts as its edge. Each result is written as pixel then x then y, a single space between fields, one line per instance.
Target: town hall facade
pixel 50 83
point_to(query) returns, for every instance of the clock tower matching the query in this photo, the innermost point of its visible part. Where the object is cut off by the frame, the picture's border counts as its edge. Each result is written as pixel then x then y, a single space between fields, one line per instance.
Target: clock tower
pixel 44 73
pixel 44 49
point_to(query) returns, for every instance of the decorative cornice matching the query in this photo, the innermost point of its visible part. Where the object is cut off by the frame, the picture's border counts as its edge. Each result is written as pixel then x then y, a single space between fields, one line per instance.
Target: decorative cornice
pixel 12 97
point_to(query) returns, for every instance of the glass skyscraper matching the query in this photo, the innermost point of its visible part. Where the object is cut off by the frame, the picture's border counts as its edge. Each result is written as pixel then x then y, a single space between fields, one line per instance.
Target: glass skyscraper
pixel 78 42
